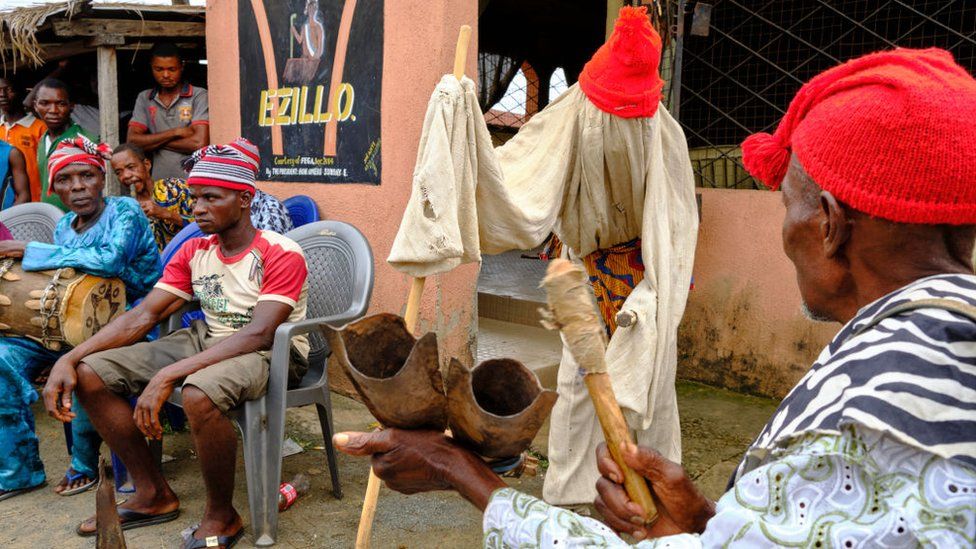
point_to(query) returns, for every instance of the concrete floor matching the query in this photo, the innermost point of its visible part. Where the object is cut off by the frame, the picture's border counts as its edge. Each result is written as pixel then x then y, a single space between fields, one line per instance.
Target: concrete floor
pixel 717 426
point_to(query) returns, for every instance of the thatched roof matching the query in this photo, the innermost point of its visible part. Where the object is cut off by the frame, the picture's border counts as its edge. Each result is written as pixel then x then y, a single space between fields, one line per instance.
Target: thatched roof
pixel 20 21
pixel 19 25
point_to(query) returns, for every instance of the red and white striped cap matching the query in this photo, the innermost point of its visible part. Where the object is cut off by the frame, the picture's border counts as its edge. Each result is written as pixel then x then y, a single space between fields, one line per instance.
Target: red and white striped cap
pixel 232 166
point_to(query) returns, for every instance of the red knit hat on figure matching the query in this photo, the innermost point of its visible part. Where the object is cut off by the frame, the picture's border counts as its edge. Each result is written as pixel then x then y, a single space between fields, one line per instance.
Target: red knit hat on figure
pixel 622 77
pixel 887 133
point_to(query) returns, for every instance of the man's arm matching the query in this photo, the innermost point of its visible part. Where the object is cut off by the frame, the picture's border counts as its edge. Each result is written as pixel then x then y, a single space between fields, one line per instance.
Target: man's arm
pixel 107 259
pixel 18 166
pixel 129 328
pixel 258 335
pixel 198 138
pixel 139 135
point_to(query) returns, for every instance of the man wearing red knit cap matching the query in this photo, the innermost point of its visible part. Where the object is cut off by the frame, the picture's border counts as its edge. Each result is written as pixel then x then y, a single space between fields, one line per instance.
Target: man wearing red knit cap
pixel 876 445
pixel 248 282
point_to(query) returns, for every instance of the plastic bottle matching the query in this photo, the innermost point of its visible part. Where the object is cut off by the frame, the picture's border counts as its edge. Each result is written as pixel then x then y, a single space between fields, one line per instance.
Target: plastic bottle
pixel 289 492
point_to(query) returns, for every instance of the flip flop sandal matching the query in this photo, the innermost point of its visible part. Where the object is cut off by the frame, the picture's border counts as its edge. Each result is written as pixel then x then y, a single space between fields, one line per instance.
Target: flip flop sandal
pixel 134 519
pixel 190 542
pixel 71 476
pixel 14 493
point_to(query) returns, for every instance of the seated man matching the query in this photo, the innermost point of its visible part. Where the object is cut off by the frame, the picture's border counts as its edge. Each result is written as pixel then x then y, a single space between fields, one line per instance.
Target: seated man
pixel 248 282
pixel 168 203
pixel 105 237
pixel 876 445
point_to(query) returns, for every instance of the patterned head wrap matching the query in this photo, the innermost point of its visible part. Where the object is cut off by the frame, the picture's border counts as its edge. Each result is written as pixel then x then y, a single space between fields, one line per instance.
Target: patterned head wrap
pixel 232 166
pixel 79 150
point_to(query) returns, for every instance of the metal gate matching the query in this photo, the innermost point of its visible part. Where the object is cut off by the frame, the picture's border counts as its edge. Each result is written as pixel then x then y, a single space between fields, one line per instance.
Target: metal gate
pixel 738 63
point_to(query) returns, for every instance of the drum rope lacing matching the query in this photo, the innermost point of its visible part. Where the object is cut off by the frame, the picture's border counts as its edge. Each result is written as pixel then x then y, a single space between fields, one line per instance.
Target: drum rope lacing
pixel 49 312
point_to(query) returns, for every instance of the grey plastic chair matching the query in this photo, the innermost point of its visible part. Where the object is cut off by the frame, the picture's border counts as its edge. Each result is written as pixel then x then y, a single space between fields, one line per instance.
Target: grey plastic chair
pixel 340 283
pixel 33 221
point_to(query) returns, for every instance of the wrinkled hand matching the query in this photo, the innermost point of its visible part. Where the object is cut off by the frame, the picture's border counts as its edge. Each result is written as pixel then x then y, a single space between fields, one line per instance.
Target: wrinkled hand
pixel 422 461
pixel 408 461
pixel 151 209
pixel 146 413
pixel 57 391
pixel 12 248
pixel 681 507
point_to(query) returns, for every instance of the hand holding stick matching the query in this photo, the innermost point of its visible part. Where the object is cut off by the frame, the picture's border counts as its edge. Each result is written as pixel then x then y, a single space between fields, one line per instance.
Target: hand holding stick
pixel 572 310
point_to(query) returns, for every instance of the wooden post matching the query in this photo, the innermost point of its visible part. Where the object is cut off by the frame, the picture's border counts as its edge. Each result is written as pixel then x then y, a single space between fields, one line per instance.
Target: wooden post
pixel 108 108
pixel 613 9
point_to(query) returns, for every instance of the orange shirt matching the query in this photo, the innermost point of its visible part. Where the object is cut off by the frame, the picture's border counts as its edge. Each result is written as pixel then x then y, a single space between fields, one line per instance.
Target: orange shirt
pixel 25 134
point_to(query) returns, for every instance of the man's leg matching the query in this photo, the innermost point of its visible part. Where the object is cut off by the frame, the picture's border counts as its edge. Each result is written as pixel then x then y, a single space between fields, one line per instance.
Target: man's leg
pixel 215 440
pixel 112 416
pixel 85 446
pixel 20 460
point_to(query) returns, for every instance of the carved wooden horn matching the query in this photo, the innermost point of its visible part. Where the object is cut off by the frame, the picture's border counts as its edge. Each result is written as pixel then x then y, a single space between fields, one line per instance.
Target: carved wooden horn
pixel 497 408
pixel 397 376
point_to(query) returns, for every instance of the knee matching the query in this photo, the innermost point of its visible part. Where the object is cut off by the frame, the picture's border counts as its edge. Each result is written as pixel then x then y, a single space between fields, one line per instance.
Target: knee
pixel 197 404
pixel 88 381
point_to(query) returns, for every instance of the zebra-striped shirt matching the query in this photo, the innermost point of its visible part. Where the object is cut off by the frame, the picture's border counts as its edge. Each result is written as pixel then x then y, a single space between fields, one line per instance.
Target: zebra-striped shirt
pixel 912 376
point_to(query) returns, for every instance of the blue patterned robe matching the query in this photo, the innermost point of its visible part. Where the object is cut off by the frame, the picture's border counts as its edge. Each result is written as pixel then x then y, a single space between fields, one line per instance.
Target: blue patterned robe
pixel 120 244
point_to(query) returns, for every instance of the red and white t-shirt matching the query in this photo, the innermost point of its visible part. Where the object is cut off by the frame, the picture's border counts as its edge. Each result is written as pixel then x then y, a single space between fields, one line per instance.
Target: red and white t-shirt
pixel 272 268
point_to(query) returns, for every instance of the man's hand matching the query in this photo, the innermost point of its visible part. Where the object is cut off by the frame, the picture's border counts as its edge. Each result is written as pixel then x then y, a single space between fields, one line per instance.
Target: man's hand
pixel 12 248
pixel 57 391
pixel 152 210
pixel 183 132
pixel 422 461
pixel 681 506
pixel 146 413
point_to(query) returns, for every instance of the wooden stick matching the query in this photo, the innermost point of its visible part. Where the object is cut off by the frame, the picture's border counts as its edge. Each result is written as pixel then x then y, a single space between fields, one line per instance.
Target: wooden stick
pixel 572 309
pixel 410 317
pixel 108 526
pixel 373 484
pixel 461 51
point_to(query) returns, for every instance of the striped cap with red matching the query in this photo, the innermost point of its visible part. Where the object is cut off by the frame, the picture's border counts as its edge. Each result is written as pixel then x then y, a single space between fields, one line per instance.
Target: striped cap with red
pixel 78 150
pixel 232 166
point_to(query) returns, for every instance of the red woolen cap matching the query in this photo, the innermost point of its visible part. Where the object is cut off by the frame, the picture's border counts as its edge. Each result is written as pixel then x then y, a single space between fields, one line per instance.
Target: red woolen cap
pixel 622 78
pixel 889 134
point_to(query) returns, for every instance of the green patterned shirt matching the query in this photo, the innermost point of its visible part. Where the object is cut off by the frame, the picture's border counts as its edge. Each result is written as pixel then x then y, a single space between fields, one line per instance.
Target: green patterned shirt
pixel 858 488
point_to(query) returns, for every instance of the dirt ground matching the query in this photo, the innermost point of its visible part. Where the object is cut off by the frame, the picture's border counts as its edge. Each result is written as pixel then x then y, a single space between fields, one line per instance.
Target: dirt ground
pixel 717 426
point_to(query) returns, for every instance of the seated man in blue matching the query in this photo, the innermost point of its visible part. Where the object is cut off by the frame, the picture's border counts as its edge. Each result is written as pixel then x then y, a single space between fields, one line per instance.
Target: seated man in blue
pixel 107 237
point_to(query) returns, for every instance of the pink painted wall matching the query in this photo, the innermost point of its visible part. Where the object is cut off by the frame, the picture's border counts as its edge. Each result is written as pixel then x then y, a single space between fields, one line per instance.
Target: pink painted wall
pixel 419 43
pixel 743 328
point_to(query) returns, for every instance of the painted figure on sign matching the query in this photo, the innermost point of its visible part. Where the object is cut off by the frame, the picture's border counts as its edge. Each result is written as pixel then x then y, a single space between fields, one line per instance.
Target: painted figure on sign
pixel 301 70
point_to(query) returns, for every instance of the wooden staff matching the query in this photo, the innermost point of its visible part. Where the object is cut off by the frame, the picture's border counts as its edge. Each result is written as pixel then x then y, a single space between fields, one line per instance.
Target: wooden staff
pixel 572 309
pixel 410 319
pixel 108 526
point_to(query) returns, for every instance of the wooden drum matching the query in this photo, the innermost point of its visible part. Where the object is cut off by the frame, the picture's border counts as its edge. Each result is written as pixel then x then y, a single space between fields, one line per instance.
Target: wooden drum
pixel 57 308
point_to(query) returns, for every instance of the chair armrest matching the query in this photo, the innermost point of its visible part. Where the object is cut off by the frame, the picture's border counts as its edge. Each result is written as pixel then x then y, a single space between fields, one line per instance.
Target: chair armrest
pixel 174 321
pixel 281 349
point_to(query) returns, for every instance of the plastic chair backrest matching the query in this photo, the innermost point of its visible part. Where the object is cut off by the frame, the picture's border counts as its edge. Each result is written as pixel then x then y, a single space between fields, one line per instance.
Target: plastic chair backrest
pixel 186 233
pixel 340 276
pixel 33 222
pixel 302 210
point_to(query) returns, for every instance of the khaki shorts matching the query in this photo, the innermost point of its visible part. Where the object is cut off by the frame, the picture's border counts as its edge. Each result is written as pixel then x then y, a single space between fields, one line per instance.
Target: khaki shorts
pixel 127 370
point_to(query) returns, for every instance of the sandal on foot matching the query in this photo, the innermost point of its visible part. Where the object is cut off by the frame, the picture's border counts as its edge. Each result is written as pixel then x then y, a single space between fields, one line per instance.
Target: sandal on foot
pixel 70 476
pixel 134 519
pixel 190 542
pixel 14 493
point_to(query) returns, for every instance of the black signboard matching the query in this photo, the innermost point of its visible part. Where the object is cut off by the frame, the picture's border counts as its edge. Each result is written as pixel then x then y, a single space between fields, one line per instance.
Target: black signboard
pixel 311 78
